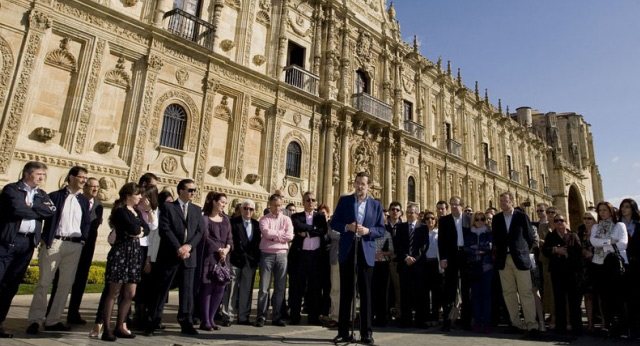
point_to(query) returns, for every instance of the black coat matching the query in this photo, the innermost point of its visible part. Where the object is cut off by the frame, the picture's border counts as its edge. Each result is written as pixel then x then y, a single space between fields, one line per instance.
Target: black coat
pixel 633 246
pixel 317 229
pixel 51 225
pixel 519 239
pixel 420 240
pixel 14 210
pixel 448 236
pixel 244 251
pixel 171 230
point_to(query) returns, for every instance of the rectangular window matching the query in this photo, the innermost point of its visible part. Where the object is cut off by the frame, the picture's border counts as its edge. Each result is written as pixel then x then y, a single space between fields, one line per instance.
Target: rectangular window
pixel 407 110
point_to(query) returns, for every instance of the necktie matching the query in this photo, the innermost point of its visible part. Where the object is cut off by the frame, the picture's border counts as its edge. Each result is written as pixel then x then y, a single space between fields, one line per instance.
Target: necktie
pixel 184 212
pixel 411 237
pixel 246 227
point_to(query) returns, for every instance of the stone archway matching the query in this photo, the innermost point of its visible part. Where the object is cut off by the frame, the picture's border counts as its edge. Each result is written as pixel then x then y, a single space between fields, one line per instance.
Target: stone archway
pixel 575 208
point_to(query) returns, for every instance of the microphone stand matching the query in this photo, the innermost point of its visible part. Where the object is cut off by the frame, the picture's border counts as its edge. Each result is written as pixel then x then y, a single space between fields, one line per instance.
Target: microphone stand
pixel 355 281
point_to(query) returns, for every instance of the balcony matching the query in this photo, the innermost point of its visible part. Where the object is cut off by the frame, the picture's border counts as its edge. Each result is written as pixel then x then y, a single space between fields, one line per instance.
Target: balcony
pixel 190 27
pixel 492 166
pixel 547 190
pixel 454 147
pixel 372 106
pixel 533 184
pixel 304 80
pixel 514 176
pixel 415 130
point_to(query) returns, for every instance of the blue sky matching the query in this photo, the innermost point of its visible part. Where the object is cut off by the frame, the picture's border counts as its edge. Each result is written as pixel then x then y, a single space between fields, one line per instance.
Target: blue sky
pixel 577 56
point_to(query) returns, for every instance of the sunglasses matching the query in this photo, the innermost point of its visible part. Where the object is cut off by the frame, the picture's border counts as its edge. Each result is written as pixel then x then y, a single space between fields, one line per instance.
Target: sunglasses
pixel 192 190
pixel 248 209
pixel 551 212
pixel 310 200
pixel 540 210
pixel 587 218
pixel 395 209
pixel 481 219
pixel 558 220
pixel 469 211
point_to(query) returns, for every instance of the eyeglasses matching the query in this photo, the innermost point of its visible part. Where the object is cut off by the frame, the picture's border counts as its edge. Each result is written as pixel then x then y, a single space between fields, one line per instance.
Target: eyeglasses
pixel 558 220
pixel 248 209
pixel 192 190
pixel 540 210
pixel 587 218
pixel 310 200
pixel 395 209
pixel 481 219
pixel 550 212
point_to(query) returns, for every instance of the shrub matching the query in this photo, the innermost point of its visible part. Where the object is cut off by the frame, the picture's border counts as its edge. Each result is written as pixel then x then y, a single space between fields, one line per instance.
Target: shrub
pixel 31 276
pixel 96 275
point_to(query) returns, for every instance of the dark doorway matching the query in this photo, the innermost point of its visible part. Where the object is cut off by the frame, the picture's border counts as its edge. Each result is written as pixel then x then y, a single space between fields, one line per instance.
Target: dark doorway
pixel 296 55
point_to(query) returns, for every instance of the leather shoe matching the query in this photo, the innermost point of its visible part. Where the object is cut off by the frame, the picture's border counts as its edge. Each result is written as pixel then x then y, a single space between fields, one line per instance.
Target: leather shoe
pixel 279 323
pixel 189 330
pixel 122 334
pixel 259 323
pixel 226 323
pixel 294 321
pixel 76 320
pixel 367 340
pixel 4 335
pixel 342 339
pixel 58 327
pixel 244 323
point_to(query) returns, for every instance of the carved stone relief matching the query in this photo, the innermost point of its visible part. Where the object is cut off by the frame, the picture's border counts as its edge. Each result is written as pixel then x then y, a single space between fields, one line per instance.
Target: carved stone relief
pixel 169 164
pixel 304 144
pixel 222 111
pixel 118 76
pixel 62 57
pixel 182 76
pixel 6 58
pixel 193 120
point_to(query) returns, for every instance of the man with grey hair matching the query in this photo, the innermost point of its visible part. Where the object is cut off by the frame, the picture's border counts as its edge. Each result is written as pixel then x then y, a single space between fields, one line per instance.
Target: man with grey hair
pixel 277 232
pixel 244 260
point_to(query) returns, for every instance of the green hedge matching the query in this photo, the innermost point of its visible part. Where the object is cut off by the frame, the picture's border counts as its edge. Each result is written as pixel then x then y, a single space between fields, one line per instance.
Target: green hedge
pixel 96 273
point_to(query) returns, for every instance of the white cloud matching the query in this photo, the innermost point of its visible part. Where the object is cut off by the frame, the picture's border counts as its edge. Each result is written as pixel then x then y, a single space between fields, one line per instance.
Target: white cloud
pixel 615 159
pixel 615 201
pixel 636 165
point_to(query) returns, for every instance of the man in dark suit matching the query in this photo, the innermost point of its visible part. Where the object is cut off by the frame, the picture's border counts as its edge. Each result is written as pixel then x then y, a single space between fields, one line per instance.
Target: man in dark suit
pixel 454 262
pixel 24 207
pixel 512 240
pixel 90 191
pixel 180 228
pixel 309 228
pixel 357 216
pixel 412 240
pixel 245 257
pixel 392 222
pixel 63 236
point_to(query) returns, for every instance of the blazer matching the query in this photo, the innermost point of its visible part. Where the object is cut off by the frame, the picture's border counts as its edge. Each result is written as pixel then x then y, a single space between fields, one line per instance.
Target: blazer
pixel 345 214
pixel 171 230
pixel 14 210
pixel 243 250
pixel 633 247
pixel 448 236
pixel 95 218
pixel 51 225
pixel 420 241
pixel 519 238
pixel 317 229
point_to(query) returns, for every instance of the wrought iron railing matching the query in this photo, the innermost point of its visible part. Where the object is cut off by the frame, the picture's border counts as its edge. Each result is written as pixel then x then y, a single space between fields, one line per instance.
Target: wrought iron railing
pixel 492 165
pixel 190 27
pixel 514 176
pixel 372 105
pixel 415 130
pixel 454 147
pixel 533 184
pixel 301 79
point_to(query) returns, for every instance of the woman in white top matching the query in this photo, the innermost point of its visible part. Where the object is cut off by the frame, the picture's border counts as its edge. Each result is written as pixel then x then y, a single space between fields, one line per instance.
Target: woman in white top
pixel 607 236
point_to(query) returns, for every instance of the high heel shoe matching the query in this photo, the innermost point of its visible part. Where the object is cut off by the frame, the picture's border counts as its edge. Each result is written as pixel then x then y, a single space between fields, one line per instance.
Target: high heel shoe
pixel 122 334
pixel 107 337
pixel 95 332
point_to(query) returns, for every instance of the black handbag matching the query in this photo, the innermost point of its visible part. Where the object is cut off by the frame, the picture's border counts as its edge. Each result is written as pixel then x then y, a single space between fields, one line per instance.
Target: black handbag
pixel 614 263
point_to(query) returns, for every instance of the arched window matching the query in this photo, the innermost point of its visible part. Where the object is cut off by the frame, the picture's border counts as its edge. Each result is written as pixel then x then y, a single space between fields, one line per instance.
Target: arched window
pixel 294 156
pixel 174 126
pixel 411 189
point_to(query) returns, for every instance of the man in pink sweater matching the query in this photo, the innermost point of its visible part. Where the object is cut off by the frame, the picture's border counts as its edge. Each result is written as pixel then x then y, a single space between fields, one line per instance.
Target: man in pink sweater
pixel 277 232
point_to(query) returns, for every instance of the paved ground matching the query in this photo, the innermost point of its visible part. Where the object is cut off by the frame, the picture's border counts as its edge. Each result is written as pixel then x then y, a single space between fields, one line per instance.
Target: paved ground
pixel 268 335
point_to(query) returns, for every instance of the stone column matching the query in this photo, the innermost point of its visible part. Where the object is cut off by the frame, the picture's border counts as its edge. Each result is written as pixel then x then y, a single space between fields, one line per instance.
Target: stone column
pixel 330 54
pixel 210 88
pixel 162 7
pixel 386 78
pixel 388 148
pixel 401 184
pixel 317 38
pixel 282 38
pixel 329 126
pixel 345 158
pixel 346 64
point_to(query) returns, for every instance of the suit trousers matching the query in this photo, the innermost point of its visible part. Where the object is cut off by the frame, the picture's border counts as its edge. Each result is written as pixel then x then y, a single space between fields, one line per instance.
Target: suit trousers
pixel 335 292
pixel 395 295
pixel 275 265
pixel 457 270
pixel 413 288
pixel 308 285
pixel 566 292
pixel 434 287
pixel 365 276
pixel 517 283
pixel 380 285
pixel 64 256
pixel 239 294
pixel 163 277
pixel 14 260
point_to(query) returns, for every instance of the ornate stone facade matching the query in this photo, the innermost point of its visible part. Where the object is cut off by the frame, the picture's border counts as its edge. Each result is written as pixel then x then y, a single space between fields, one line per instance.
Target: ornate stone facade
pixel 86 82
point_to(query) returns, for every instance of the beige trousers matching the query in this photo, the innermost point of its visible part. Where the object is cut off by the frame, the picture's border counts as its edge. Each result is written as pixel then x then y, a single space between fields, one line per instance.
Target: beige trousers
pixel 517 284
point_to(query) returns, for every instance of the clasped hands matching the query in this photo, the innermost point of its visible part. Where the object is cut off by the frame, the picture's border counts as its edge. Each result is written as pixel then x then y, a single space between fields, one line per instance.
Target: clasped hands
pixel 184 251
pixel 357 228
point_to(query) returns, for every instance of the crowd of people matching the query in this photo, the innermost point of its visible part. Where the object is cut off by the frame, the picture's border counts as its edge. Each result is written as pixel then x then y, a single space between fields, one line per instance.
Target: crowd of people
pixel 448 268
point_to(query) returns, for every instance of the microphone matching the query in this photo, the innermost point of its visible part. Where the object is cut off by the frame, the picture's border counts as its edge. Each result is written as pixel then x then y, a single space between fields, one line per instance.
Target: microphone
pixel 356 232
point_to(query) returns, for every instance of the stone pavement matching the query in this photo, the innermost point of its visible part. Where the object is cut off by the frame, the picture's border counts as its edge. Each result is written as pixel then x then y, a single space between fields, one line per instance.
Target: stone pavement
pixel 268 335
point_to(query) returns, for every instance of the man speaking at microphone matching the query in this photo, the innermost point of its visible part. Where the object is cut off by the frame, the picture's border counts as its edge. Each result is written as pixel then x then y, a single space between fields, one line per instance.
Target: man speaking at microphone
pixel 357 216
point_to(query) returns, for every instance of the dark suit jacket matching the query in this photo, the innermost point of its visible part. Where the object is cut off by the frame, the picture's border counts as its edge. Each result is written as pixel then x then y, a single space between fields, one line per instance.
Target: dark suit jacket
pixel 448 236
pixel 318 229
pixel 633 246
pixel 171 230
pixel 373 219
pixel 244 251
pixel 15 209
pixel 51 225
pixel 519 239
pixel 420 241
pixel 95 219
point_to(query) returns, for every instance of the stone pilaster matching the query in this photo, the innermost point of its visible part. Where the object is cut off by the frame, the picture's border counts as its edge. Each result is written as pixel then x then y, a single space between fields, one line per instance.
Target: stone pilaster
pixel 317 38
pixel 282 38
pixel 345 132
pixel 388 149
pixel 401 183
pixel 329 127
pixel 210 88
pixel 330 54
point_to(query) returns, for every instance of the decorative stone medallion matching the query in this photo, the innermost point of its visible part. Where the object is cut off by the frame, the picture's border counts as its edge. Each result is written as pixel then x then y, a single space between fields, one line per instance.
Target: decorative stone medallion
pixel 169 164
